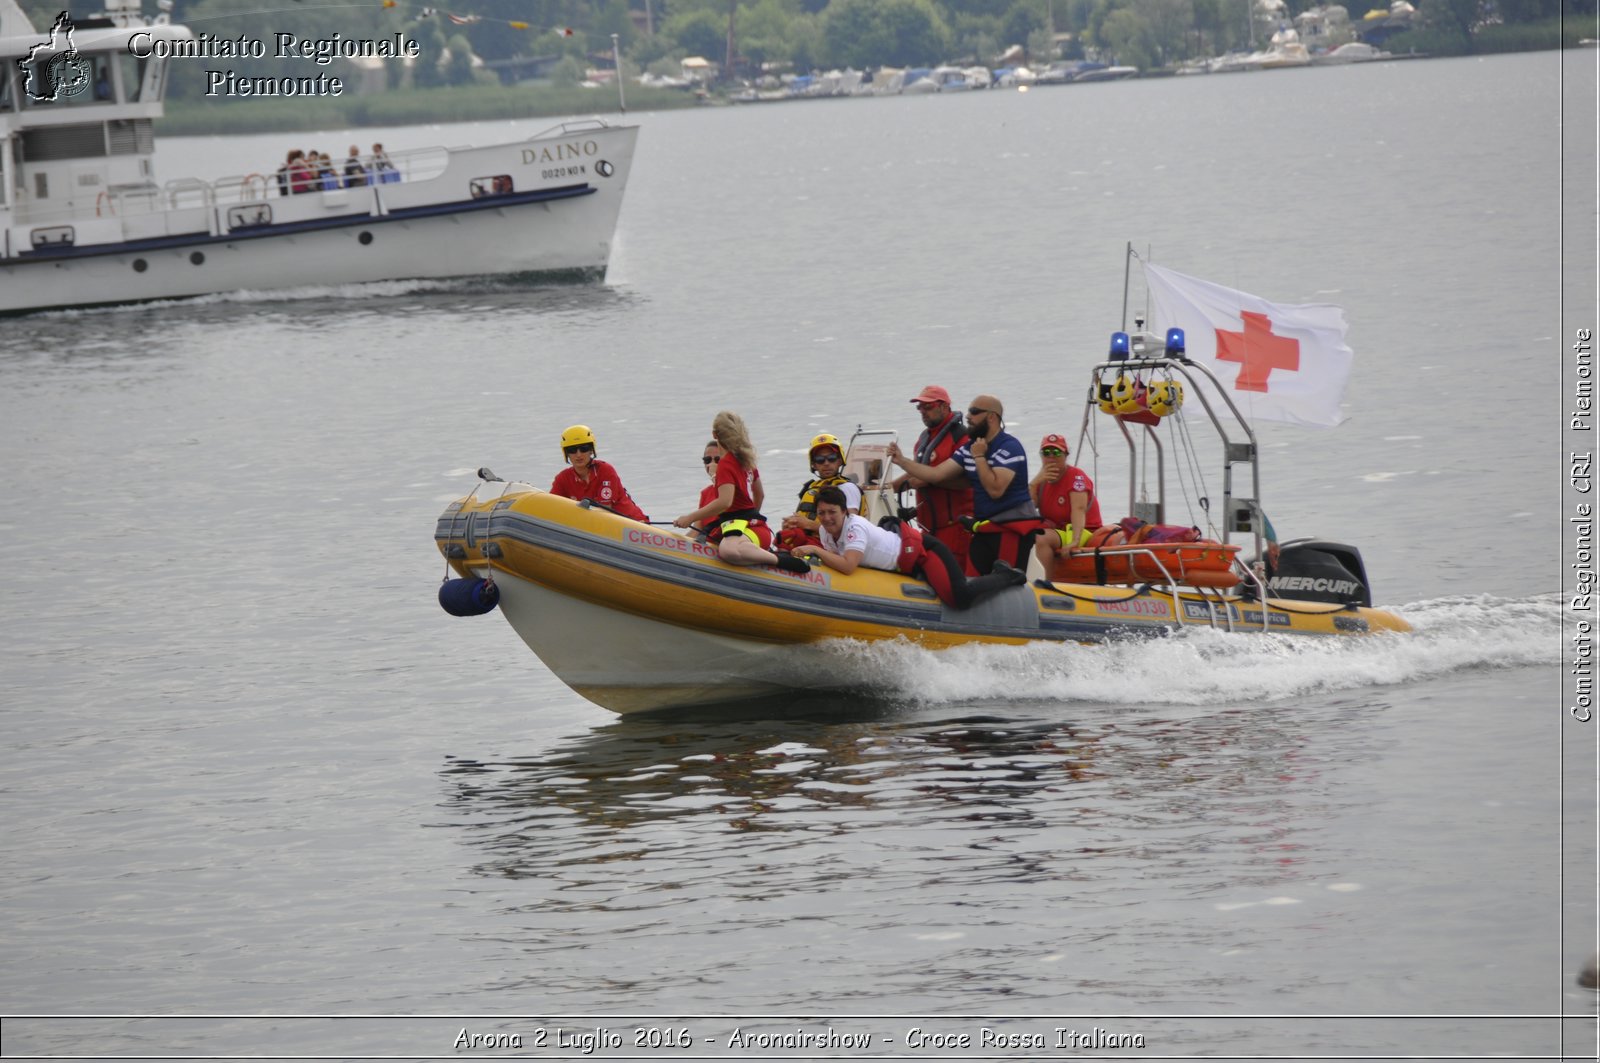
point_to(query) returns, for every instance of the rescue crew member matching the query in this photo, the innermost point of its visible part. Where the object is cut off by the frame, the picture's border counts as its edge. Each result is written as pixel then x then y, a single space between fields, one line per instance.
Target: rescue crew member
pixel 827 470
pixel 996 466
pixel 739 530
pixel 709 458
pixel 586 476
pixel 1066 500
pixel 850 540
pixel 940 508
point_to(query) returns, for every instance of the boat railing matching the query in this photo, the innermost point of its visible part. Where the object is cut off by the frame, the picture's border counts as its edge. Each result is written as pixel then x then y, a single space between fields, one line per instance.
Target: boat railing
pixel 401 167
pixel 1212 598
pixel 190 193
pixel 1232 429
pixel 184 193
pixel 575 125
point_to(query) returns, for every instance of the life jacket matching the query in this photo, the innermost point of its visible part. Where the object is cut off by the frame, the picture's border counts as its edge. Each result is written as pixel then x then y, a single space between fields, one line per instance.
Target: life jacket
pixel 1021 519
pixel 808 495
pixel 940 507
pixel 794 538
pixel 912 551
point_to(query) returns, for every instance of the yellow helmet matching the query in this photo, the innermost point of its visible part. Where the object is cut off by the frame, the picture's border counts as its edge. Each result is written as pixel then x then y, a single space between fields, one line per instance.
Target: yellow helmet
pixel 1126 395
pixel 1106 405
pixel 1165 397
pixel 825 440
pixel 576 435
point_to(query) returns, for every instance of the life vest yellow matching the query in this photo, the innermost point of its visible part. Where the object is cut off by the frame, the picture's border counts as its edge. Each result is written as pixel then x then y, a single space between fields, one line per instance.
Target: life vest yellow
pixel 808 495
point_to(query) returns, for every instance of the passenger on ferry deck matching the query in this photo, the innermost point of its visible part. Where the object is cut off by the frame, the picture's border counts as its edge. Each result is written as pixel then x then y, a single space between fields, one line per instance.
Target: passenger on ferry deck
pixel 283 173
pixel 384 171
pixel 827 466
pixel 995 464
pixel 1066 500
pixel 586 476
pixel 326 175
pixel 711 455
pixel 940 509
pixel 300 172
pixel 739 530
pixel 850 540
pixel 355 174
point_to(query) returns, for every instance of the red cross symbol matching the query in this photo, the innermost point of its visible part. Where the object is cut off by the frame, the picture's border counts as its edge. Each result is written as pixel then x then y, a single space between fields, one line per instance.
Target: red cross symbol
pixel 1257 350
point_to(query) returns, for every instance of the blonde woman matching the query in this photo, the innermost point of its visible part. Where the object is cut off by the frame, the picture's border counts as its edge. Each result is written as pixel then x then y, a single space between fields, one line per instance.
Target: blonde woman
pixel 738 528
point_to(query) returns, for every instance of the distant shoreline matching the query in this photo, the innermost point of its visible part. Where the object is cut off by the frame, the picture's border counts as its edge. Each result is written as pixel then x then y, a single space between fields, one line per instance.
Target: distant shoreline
pixel 475 103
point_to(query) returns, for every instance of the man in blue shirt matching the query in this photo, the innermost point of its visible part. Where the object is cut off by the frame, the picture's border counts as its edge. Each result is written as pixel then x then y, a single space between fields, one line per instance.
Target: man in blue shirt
pixel 996 465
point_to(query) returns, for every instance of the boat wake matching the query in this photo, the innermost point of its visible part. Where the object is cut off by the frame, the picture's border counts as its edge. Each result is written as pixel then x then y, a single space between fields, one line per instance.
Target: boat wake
pixel 353 291
pixel 1200 666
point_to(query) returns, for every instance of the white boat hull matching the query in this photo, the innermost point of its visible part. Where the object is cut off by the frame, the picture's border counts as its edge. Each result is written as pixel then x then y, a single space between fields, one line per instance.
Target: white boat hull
pixel 559 217
pixel 632 664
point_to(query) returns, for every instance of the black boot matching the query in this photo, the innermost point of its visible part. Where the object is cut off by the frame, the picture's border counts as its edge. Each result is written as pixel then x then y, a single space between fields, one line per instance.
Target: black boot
pixel 1014 577
pixel 789 563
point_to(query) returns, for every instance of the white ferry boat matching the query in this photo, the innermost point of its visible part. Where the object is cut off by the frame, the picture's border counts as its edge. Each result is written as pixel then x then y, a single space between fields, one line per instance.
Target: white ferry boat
pixel 84 220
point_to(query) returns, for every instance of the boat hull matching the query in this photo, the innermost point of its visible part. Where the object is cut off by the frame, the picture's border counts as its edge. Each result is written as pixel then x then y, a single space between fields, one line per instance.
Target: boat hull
pixel 668 665
pixel 638 619
pixel 557 218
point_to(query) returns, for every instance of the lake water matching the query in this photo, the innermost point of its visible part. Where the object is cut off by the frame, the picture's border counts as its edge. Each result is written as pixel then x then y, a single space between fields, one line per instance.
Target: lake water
pixel 253 772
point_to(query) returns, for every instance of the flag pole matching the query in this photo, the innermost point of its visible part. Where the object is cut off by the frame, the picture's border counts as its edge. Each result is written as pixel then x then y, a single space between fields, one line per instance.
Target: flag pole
pixel 616 62
pixel 1127 267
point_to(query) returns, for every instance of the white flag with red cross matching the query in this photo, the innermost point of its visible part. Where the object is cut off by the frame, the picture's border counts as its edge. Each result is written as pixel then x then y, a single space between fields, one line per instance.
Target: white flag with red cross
pixel 1277 361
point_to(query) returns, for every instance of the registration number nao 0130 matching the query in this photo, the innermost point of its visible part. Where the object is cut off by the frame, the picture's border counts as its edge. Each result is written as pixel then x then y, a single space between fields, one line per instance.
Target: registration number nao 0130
pixel 1136 607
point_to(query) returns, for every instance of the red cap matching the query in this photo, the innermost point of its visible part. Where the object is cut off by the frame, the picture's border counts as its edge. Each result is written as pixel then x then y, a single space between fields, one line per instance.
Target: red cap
pixel 1053 440
pixel 933 393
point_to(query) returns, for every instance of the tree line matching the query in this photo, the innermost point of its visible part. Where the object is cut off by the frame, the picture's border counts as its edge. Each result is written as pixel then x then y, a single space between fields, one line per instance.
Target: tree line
pixel 805 35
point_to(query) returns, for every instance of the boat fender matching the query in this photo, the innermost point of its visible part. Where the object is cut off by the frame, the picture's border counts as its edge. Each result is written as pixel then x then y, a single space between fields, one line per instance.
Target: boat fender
pixel 468 597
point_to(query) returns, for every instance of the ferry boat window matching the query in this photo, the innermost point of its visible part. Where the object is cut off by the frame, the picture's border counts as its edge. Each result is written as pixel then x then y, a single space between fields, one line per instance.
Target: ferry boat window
pixel 97 88
pixel 5 90
pixel 132 71
pixel 498 185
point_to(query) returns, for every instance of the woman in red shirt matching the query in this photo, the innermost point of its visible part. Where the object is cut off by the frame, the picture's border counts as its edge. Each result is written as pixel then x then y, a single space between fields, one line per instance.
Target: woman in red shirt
pixel 710 458
pixel 586 476
pixel 739 529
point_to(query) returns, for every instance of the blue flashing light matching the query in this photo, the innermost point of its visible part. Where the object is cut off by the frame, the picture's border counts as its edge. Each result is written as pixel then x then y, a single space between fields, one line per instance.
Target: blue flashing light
pixel 1119 347
pixel 1175 343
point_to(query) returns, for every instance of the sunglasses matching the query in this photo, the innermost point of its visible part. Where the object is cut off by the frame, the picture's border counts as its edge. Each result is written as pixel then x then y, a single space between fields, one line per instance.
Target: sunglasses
pixel 708 461
pixel 929 405
pixel 579 448
pixel 1052 452
pixel 974 411
pixel 825 457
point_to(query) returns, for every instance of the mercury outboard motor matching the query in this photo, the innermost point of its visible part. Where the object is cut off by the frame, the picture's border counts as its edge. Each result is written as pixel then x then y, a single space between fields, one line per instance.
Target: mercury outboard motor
pixel 1314 570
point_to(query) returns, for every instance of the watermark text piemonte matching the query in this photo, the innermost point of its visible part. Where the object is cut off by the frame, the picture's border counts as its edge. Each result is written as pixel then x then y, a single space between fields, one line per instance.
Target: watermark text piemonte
pixel 1581 480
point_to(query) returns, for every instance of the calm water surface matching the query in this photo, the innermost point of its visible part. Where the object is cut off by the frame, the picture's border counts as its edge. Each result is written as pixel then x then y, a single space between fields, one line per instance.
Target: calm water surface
pixel 252 769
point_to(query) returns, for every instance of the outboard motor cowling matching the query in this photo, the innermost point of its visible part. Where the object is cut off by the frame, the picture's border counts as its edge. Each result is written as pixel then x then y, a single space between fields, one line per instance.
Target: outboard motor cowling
pixel 1314 570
